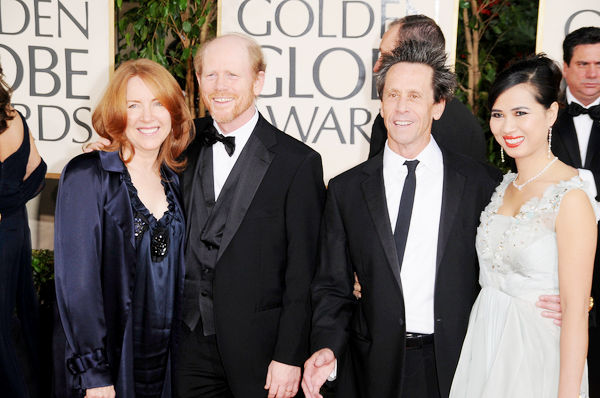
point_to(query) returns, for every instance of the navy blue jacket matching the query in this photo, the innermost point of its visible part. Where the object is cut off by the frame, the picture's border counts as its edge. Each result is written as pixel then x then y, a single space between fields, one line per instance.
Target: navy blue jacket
pixel 95 261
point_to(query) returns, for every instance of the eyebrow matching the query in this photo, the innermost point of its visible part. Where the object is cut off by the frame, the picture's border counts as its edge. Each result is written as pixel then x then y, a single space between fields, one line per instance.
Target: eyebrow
pixel 518 108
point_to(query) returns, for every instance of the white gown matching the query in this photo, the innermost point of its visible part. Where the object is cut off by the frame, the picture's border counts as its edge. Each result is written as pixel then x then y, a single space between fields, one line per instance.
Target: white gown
pixel 510 350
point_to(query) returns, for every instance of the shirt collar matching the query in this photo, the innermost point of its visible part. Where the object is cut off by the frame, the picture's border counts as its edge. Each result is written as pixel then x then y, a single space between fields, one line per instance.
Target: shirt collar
pixel 571 98
pixel 430 157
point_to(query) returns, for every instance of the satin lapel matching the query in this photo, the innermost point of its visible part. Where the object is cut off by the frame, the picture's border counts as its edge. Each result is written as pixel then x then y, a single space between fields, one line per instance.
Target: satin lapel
pixel 452 192
pixel 258 160
pixel 117 204
pixel 565 130
pixel 593 145
pixel 374 194
pixel 192 191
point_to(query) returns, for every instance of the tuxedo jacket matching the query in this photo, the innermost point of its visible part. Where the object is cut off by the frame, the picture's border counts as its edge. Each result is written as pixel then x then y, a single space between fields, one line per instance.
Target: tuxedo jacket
pixel 267 256
pixel 566 147
pixel 356 236
pixel 457 130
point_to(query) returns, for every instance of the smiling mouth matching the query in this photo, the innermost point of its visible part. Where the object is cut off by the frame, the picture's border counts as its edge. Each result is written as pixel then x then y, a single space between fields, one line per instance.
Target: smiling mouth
pixel 402 123
pixel 513 142
pixel 222 100
pixel 148 130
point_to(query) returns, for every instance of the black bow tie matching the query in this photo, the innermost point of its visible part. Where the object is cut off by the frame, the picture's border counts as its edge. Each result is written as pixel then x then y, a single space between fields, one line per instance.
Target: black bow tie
pixel 575 110
pixel 211 136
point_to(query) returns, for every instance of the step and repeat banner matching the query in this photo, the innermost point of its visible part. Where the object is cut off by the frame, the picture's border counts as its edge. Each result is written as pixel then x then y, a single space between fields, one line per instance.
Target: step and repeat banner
pixel 557 18
pixel 319 85
pixel 57 55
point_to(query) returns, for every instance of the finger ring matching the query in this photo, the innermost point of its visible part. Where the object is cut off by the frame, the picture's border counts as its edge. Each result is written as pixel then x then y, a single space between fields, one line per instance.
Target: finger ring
pixel 591 304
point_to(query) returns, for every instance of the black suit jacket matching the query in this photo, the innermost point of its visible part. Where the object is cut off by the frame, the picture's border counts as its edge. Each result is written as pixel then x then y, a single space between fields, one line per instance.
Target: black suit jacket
pixel 356 236
pixel 566 147
pixel 267 257
pixel 457 130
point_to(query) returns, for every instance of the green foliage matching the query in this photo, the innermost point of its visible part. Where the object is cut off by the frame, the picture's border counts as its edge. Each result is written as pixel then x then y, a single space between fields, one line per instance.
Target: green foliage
pixel 165 31
pixel 508 32
pixel 42 263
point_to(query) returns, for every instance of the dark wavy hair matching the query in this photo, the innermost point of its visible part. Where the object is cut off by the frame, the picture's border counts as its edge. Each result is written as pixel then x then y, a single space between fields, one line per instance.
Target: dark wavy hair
pixel 110 116
pixel 421 52
pixel 542 73
pixel 5 94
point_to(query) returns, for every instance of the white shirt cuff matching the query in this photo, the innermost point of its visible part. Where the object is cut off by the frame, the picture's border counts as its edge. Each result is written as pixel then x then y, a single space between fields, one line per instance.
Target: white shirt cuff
pixel 333 374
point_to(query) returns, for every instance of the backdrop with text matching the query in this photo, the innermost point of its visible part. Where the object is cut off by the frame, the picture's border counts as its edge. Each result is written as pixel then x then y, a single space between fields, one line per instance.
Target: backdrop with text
pixel 319 85
pixel 57 55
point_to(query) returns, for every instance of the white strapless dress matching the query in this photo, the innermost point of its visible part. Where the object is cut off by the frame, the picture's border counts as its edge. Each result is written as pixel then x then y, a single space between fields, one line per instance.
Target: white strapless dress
pixel 510 350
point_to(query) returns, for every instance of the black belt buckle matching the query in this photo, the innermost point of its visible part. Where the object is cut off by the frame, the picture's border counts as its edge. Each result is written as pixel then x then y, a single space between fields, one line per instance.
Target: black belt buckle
pixel 418 340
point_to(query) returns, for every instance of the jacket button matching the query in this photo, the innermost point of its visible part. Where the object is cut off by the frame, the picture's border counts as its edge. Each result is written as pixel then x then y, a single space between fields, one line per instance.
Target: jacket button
pixel 204 293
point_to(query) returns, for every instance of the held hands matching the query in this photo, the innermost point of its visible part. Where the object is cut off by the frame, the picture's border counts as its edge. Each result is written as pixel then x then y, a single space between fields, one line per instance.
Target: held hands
pixel 317 369
pixel 282 380
pixel 95 146
pixel 100 392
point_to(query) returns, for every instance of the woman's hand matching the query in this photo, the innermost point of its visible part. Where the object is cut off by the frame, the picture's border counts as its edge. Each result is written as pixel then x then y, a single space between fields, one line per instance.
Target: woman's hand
pixel 100 392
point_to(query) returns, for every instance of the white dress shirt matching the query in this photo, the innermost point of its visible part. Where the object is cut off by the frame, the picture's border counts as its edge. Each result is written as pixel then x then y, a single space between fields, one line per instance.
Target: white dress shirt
pixel 222 162
pixel 583 125
pixel 419 263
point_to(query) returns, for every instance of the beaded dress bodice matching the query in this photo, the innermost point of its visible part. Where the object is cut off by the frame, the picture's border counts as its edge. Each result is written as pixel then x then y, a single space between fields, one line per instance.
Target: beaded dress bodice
pixel 518 255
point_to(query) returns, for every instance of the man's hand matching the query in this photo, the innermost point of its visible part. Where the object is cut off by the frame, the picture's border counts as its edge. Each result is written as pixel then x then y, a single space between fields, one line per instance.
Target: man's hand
pixel 552 306
pixel 317 369
pixel 96 145
pixel 357 288
pixel 100 392
pixel 282 380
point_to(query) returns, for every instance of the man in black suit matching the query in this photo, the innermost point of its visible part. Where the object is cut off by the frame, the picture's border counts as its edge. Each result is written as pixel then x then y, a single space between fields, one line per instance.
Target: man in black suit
pixel 253 199
pixel 576 141
pixel 405 222
pixel 457 129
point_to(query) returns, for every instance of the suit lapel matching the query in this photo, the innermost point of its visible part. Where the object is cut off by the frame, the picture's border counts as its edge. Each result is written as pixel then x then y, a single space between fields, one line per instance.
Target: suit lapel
pixel 374 194
pixel 565 131
pixel 593 145
pixel 255 163
pixel 452 191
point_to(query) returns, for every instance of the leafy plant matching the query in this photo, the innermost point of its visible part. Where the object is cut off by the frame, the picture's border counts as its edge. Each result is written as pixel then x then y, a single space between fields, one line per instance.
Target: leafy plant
pixel 491 33
pixel 42 263
pixel 168 32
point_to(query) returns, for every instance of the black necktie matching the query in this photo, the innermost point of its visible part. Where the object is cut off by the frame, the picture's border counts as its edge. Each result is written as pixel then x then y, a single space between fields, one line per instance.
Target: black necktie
pixel 575 110
pixel 211 136
pixel 405 210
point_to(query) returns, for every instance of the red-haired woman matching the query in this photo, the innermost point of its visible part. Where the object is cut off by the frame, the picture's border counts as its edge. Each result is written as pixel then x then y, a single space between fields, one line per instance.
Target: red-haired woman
pixel 119 241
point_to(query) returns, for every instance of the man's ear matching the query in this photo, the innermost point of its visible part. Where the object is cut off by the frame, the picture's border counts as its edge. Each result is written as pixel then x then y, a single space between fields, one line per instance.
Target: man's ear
pixel 259 82
pixel 438 109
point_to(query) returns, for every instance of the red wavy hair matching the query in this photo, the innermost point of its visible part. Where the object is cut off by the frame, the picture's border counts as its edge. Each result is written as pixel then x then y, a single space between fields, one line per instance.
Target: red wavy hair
pixel 110 116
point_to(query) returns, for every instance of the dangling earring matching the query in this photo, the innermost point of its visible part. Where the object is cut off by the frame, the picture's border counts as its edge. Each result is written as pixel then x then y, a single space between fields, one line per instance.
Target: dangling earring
pixel 549 142
pixel 502 154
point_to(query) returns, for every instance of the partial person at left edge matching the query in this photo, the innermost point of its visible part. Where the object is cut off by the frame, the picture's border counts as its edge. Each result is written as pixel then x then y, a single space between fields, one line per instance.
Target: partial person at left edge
pixel 22 172
pixel 119 236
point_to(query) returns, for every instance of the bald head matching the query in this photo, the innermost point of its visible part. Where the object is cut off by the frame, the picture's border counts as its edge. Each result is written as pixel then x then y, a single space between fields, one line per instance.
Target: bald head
pixel 242 43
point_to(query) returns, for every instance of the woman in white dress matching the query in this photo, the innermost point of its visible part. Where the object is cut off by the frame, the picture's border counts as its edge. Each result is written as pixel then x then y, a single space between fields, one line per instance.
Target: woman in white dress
pixel 537 234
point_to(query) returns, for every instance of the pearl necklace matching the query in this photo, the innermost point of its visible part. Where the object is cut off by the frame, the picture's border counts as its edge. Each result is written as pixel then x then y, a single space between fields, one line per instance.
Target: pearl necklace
pixel 521 186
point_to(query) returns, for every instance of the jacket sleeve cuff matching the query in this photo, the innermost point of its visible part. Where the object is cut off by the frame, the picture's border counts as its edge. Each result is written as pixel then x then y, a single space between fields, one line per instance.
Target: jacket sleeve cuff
pixel 91 369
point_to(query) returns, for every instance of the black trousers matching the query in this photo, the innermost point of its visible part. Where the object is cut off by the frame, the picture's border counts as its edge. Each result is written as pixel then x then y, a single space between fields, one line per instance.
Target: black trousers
pixel 420 375
pixel 198 369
